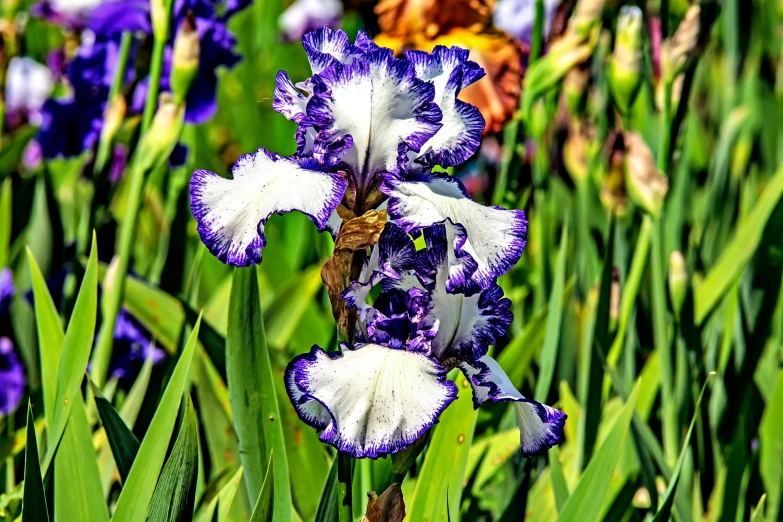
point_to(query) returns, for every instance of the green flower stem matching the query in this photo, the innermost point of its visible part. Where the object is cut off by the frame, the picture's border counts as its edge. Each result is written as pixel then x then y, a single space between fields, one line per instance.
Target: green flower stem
pixel 666 131
pixel 104 145
pixel 177 183
pixel 344 487
pixel 537 42
pixel 114 292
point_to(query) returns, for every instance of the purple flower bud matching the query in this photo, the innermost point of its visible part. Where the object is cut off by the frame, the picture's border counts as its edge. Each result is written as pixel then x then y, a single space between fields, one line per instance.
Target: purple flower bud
pixel 12 379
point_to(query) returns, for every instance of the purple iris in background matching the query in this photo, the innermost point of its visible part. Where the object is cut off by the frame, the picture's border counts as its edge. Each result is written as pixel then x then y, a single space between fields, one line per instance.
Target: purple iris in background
pixel 371 129
pixel 27 86
pixel 304 16
pixel 71 14
pixel 517 17
pixel 217 44
pixel 132 346
pixel 12 379
pixel 7 289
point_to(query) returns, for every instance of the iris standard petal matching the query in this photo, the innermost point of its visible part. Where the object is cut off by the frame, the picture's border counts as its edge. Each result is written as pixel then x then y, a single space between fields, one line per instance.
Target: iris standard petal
pixel 466 325
pixel 540 426
pixel 378 103
pixel 370 401
pixel 231 213
pixel 450 71
pixel 489 239
pixel 326 47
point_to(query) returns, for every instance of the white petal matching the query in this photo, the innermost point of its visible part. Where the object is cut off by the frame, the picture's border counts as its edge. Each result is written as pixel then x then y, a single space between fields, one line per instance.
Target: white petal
pixel 231 212
pixel 491 239
pixel 379 400
pixel 540 426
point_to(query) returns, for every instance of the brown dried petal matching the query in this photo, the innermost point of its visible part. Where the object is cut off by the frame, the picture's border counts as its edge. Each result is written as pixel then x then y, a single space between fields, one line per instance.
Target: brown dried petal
pixel 431 18
pixel 389 507
pixel 361 232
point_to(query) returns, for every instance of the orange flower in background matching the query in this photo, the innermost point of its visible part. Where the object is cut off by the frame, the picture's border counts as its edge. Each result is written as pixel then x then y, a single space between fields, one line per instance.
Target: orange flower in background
pixel 423 24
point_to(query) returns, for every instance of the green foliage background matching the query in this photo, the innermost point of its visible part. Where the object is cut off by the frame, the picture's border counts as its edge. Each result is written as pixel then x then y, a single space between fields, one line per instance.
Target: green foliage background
pixel 641 441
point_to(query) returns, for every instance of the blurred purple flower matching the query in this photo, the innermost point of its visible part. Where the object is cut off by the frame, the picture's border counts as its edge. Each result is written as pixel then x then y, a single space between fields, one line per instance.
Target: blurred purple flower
pixel 7 289
pixel 12 379
pixel 72 124
pixel 304 16
pixel 517 17
pixel 132 346
pixel 28 85
pixel 71 14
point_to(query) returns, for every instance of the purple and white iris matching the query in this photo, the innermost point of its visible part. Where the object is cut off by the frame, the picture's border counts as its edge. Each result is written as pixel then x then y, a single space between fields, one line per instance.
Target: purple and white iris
pixel 371 127
pixel 387 391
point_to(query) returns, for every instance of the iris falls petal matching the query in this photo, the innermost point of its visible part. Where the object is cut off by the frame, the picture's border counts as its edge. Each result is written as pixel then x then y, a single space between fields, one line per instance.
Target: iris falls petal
pixel 231 213
pixel 370 401
pixel 488 240
pixel 540 426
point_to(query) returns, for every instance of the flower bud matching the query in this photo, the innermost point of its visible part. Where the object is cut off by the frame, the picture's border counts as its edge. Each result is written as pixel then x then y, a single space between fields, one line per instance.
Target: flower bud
pixel 645 184
pixel 575 153
pixel 185 60
pixel 159 13
pixel 113 117
pixel 586 14
pixel 678 283
pixel 574 87
pixel 624 73
pixel 158 143
pixel 688 40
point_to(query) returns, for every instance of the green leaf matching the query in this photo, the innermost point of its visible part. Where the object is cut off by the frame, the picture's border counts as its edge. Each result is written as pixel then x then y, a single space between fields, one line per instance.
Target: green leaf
pixel 50 336
pixel 13 148
pixel 771 437
pixel 588 496
pixel 77 345
pixel 266 499
pixel 327 507
pixel 553 320
pixel 175 494
pixel 227 494
pixel 137 492
pixel 251 389
pixel 124 444
pixel 6 214
pixel 444 465
pixel 664 513
pixel 34 505
pixel 559 484
pixel 77 481
pixel 739 252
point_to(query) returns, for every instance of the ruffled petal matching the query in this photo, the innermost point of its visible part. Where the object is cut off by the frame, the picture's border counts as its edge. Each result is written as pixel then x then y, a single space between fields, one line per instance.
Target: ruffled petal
pixel 231 213
pixel 378 102
pixel 450 71
pixel 289 100
pixel 371 401
pixel 326 47
pixel 491 238
pixel 466 325
pixel 540 426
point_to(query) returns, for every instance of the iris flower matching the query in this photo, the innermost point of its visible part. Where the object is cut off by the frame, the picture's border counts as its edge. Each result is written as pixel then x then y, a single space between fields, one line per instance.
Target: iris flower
pixel 304 16
pixel 426 24
pixel 387 391
pixel 371 127
pixel 12 379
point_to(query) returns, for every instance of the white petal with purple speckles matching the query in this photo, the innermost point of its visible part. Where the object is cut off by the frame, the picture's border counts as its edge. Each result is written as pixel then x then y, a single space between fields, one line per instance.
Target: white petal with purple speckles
pixel 378 400
pixel 231 212
pixel 491 237
pixel 378 103
pixel 540 426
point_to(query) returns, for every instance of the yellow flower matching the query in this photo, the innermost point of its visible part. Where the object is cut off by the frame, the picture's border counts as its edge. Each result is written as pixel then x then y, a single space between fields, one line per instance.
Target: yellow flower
pixel 423 24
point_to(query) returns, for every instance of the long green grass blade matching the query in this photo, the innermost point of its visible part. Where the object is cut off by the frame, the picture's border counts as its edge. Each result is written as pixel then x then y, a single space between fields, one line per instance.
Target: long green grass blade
pixel 76 347
pixel 251 389
pixel 588 496
pixel 50 337
pixel 327 507
pixel 175 494
pixel 77 481
pixel 664 513
pixel 264 508
pixel 439 486
pixel 124 444
pixel 34 505
pixel 137 492
pixel 554 318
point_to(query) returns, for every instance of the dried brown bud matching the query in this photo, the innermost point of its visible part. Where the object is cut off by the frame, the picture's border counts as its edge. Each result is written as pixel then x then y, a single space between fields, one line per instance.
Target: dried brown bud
pixel 646 186
pixel 688 40
pixel 389 507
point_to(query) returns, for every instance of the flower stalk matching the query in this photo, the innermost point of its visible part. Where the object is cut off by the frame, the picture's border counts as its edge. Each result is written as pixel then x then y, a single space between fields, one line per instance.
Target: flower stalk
pixel 161 20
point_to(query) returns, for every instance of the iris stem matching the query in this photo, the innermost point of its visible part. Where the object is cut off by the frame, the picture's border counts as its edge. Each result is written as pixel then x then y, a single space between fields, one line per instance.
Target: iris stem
pixel 537 41
pixel 104 145
pixel 344 487
pixel 114 291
